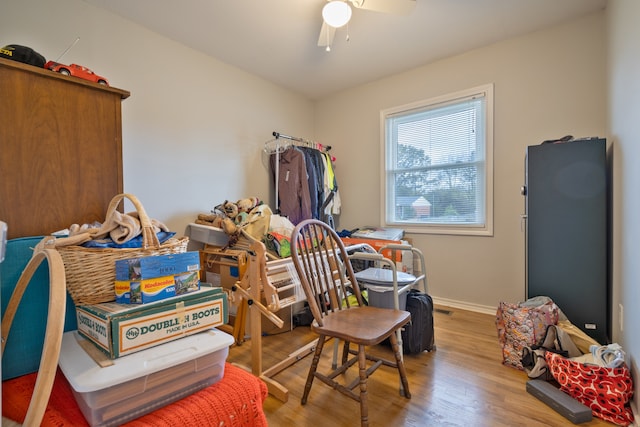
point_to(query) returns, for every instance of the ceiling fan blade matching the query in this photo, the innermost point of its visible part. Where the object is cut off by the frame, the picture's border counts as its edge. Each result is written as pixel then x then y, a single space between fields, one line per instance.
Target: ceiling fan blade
pixel 398 7
pixel 327 32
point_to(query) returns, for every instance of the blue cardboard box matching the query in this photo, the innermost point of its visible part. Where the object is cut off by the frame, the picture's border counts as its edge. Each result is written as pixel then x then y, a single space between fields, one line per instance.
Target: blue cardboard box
pixel 150 290
pixel 150 267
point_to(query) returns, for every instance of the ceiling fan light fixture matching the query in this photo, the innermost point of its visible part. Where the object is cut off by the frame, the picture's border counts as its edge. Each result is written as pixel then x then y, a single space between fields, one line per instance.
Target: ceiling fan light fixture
pixel 336 13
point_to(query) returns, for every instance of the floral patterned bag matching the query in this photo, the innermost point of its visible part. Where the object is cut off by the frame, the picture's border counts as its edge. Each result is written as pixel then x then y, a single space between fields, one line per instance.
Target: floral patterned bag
pixel 523 325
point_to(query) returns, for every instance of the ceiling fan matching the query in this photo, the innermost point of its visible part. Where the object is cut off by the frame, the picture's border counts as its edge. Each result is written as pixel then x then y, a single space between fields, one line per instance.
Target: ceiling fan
pixel 337 13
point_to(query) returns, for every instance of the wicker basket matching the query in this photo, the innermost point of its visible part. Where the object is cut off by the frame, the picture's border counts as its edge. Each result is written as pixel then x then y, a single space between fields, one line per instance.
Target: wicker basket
pixel 91 272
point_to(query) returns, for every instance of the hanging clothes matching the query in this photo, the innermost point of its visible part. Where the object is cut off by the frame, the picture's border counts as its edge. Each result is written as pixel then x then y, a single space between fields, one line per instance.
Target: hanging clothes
pixel 330 185
pixel 304 178
pixel 293 184
pixel 315 172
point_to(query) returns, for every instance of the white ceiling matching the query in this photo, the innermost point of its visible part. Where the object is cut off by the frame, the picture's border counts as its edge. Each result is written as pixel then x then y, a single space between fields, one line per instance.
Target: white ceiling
pixel 277 39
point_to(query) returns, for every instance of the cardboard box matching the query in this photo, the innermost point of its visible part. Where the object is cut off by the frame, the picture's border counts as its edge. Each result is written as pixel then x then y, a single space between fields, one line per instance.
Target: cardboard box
pixel 376 244
pixel 157 266
pixel 121 329
pixel 404 258
pixel 139 383
pixel 268 327
pixel 379 233
pixel 159 288
pixel 222 267
pixel 187 282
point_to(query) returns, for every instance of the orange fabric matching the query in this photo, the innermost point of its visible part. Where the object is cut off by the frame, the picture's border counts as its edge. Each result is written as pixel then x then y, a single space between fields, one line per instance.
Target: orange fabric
pixel 236 400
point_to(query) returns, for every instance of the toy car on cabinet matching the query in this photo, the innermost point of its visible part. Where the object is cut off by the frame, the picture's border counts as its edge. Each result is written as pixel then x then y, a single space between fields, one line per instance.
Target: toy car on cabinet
pixel 77 71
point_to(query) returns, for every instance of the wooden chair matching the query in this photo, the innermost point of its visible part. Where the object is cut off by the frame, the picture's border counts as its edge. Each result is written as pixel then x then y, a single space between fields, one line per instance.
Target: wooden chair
pixel 325 271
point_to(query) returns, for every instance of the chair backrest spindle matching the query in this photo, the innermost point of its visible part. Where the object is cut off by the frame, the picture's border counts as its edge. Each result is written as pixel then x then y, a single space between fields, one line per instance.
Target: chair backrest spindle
pixel 328 277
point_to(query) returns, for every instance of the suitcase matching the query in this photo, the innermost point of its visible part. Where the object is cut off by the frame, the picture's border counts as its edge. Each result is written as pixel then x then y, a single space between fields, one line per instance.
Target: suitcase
pixel 417 335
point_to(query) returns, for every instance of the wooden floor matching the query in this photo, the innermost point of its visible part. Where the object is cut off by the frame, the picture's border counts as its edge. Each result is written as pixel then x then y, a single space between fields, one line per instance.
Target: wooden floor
pixel 462 383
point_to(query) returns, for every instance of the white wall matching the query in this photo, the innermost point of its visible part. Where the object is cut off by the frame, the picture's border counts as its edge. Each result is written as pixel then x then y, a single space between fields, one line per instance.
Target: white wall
pixel 624 131
pixel 547 84
pixel 193 128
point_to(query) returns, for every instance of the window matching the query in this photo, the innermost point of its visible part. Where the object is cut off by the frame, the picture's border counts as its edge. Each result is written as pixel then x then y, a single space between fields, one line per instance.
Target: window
pixel 437 157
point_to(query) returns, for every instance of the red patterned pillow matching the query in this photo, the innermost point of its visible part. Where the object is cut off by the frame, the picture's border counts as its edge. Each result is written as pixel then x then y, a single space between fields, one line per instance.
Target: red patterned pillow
pixel 607 391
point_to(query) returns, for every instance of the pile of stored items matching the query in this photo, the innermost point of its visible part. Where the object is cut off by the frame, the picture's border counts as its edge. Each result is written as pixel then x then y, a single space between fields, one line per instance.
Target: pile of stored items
pixel 144 338
pixel 566 368
pixel 225 236
pixel 237 224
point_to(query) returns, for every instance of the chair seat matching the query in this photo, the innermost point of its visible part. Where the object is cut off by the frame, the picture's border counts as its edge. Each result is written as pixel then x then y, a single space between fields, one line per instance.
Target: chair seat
pixel 364 325
pixel 324 268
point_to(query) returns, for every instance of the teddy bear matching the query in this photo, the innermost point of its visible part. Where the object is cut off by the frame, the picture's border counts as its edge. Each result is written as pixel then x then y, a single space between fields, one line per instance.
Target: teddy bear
pixel 247 205
pixel 228 208
pixel 232 217
pixel 238 212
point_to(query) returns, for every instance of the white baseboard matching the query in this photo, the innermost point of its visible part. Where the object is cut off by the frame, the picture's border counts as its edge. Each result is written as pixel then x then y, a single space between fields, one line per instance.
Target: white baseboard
pixel 465 305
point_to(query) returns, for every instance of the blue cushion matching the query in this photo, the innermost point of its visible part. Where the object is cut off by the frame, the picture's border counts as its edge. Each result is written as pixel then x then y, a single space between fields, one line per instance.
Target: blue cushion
pixel 24 346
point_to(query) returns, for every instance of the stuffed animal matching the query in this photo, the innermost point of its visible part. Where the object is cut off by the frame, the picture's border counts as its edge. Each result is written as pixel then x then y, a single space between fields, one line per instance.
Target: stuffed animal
pixel 229 226
pixel 214 220
pixel 228 208
pixel 246 205
pixel 236 213
pixel 231 210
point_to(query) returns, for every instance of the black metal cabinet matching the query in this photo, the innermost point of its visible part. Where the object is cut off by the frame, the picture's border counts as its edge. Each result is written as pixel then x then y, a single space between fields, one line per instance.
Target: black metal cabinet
pixel 567 230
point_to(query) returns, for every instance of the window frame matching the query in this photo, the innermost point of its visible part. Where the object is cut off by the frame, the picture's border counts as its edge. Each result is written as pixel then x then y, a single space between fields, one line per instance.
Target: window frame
pixel 447 228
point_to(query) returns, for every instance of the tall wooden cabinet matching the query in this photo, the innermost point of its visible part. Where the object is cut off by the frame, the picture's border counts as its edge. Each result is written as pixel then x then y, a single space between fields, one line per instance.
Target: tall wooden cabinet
pixel 61 149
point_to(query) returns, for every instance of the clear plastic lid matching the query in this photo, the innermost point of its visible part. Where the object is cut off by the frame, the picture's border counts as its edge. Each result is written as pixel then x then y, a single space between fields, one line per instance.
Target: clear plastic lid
pixel 384 276
pixel 85 375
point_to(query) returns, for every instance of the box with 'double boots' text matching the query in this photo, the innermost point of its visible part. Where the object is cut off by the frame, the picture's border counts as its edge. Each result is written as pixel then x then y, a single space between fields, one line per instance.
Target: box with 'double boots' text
pixel 121 329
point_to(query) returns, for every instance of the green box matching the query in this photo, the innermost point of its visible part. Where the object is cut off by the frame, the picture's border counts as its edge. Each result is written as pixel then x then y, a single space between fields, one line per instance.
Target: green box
pixel 121 329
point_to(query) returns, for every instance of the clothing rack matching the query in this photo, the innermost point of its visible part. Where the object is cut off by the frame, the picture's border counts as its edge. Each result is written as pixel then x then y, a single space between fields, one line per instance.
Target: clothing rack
pixel 270 147
pixel 274 146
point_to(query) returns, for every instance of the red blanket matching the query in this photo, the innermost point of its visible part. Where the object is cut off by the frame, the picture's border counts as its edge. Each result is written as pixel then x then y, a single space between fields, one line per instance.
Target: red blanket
pixel 236 400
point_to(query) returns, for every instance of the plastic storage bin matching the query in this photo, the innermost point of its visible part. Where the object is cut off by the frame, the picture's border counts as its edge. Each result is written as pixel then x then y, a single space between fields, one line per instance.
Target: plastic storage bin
pixel 379 284
pixel 142 382
pixel 382 296
pixel 207 234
